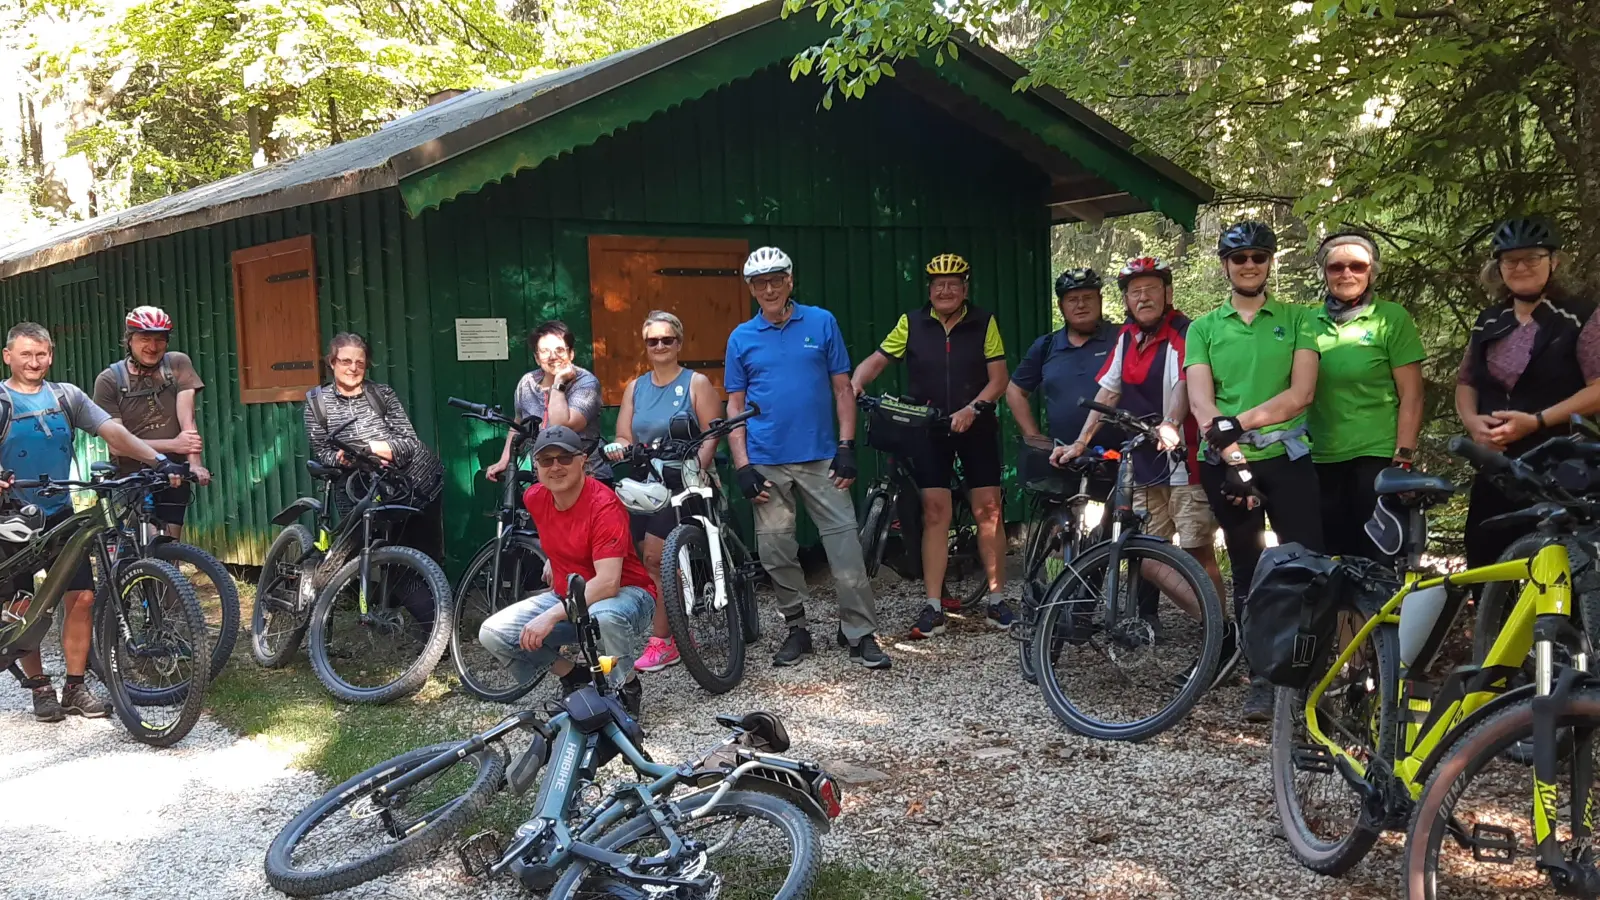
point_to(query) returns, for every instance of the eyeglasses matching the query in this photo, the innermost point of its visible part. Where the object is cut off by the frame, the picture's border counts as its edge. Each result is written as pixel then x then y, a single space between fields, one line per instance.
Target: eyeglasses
pixel 345 363
pixel 555 459
pixel 1259 259
pixel 1354 268
pixel 660 341
pixel 1525 263
pixel 1090 300
pixel 552 353
pixel 768 284
pixel 1146 294
pixel 948 287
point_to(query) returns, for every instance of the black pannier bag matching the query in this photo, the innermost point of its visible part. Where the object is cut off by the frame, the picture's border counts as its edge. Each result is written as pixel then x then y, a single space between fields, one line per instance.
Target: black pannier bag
pixel 898 427
pixel 1034 472
pixel 1291 618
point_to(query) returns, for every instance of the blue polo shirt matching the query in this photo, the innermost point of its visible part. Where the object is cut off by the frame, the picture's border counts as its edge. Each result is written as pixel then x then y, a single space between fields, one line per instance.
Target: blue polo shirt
pixel 1068 374
pixel 787 371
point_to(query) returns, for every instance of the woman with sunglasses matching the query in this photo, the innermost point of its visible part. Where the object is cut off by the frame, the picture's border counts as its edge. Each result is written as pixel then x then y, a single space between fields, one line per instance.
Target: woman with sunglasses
pixel 1532 361
pixel 559 392
pixel 649 403
pixel 1368 408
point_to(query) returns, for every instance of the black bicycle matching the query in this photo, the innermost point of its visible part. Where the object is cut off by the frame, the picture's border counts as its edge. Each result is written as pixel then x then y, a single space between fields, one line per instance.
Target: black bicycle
pixel 376 613
pixel 510 567
pixel 891 514
pixel 739 820
pixel 149 631
pixel 1133 626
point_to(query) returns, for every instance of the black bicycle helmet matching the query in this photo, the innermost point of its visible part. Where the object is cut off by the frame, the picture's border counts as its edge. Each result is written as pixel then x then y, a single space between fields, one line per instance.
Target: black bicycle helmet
pixel 1524 232
pixel 1248 235
pixel 1079 279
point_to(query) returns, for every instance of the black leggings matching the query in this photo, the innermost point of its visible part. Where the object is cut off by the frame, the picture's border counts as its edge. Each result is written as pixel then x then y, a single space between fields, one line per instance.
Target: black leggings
pixel 1348 499
pixel 1293 502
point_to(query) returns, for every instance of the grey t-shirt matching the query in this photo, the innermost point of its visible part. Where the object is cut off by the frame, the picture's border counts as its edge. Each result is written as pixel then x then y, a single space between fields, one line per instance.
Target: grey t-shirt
pixel 583 396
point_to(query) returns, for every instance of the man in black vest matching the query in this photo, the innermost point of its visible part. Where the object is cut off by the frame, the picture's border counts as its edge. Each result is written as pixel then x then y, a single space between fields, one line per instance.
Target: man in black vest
pixel 956 362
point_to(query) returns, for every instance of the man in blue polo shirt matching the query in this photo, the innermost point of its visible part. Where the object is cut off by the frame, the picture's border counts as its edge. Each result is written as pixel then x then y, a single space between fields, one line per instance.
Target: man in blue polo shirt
pixel 790 361
pixel 1066 364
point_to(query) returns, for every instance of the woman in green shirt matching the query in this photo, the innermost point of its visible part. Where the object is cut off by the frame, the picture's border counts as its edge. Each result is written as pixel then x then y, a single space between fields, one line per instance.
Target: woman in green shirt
pixel 1368 406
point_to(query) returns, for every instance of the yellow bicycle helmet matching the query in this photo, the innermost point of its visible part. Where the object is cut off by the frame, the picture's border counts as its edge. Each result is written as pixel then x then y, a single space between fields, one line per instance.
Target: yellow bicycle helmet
pixel 948 264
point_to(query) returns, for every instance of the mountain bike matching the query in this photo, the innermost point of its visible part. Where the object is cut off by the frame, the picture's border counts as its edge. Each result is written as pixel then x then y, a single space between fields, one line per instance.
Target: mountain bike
pixel 376 614
pixel 149 631
pixel 892 507
pixel 510 567
pixel 1132 626
pixel 1375 743
pixel 708 576
pixel 737 820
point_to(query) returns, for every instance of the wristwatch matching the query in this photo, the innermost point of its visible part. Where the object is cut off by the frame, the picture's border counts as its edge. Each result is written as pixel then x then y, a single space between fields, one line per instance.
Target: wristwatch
pixel 848 445
pixel 1235 458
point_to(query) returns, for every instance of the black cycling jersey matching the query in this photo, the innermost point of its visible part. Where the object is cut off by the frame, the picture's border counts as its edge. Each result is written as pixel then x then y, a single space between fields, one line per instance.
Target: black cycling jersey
pixel 946 367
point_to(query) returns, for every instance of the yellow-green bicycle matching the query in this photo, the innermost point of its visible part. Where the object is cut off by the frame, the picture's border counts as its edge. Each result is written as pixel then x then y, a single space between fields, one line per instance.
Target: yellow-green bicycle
pixel 1377 745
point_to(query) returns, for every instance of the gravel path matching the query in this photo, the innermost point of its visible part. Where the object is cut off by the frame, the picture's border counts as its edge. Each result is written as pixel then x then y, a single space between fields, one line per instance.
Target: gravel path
pixel 90 814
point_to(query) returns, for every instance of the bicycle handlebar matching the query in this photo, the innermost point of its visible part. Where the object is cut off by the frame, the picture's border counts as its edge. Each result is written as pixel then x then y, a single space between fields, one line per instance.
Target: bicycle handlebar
pixel 684 448
pixel 1121 418
pixel 1481 458
pixel 869 402
pixel 492 414
pixel 141 478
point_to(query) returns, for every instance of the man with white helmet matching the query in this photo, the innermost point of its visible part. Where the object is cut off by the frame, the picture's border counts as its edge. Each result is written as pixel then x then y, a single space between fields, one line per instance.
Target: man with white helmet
pixel 790 361
pixel 152 393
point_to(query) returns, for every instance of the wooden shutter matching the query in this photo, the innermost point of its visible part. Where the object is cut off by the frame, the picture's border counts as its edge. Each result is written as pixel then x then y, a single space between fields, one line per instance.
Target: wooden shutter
pixel 698 280
pixel 275 311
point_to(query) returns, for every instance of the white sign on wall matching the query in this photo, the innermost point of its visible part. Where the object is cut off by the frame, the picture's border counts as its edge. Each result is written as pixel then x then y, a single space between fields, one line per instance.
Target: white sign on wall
pixel 481 339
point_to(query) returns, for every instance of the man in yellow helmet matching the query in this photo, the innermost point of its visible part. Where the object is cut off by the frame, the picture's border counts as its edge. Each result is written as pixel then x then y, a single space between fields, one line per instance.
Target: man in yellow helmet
pixel 956 362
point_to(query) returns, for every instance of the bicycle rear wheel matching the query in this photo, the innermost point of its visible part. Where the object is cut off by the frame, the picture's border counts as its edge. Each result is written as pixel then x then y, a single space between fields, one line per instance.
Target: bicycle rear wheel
pixel 477 599
pixel 710 640
pixel 218 594
pixel 1323 814
pixel 874 531
pixel 280 616
pixel 1041 564
pixel 387 651
pixel 1139 675
pixel 965 579
pixel 155 659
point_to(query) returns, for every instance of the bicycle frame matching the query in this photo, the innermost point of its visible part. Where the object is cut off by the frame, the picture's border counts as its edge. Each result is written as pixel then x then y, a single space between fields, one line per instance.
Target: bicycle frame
pixel 70 542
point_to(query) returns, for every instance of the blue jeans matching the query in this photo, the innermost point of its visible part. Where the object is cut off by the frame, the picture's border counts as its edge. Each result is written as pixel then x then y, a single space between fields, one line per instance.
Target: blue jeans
pixel 624 620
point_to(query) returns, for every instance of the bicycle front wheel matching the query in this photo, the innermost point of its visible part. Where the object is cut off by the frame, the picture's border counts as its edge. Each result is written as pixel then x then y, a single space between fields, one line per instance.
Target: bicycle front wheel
pixel 874 531
pixel 1141 673
pixel 155 659
pixel 478 598
pixel 281 615
pixel 218 594
pixel 710 640
pixel 379 640
pixel 756 845
pixel 1042 563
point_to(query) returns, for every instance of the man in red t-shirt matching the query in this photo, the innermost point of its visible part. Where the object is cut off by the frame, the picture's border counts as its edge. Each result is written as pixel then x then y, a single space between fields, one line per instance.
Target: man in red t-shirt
pixel 584 530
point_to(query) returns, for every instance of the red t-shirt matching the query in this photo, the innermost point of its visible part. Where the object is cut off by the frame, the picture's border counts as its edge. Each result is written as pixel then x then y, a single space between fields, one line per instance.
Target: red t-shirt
pixel 595 527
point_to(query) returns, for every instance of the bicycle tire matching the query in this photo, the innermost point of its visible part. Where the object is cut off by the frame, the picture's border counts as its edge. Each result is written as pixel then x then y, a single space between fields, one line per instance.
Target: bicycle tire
pixel 1337 854
pixel 189 698
pixel 281 570
pixel 874 531
pixel 965 576
pixel 1498 597
pixel 443 822
pixel 686 541
pixel 226 633
pixel 800 831
pixel 1042 539
pixel 749 611
pixel 466 653
pixel 1088 568
pixel 416 673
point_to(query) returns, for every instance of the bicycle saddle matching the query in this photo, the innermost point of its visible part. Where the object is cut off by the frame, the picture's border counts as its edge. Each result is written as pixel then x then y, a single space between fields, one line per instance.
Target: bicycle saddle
pixel 763 726
pixel 318 470
pixel 1395 480
pixel 102 468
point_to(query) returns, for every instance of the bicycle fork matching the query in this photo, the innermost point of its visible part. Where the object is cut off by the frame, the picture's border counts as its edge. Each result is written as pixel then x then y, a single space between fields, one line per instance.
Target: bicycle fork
pixel 1572 874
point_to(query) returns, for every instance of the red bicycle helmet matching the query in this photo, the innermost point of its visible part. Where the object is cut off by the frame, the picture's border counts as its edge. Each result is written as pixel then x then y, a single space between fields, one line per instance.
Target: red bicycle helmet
pixel 148 319
pixel 1144 265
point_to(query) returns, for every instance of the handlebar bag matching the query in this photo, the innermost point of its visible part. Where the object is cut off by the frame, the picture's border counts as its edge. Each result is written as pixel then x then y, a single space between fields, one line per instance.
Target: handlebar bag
pixel 1034 472
pixel 896 426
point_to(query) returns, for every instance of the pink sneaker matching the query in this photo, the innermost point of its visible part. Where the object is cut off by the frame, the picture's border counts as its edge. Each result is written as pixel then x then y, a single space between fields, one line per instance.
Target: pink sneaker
pixel 658 654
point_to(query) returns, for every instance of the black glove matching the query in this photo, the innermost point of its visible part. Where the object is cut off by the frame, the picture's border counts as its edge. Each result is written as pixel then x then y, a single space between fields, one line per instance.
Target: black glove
pixel 1239 483
pixel 167 467
pixel 844 462
pixel 751 482
pixel 1224 432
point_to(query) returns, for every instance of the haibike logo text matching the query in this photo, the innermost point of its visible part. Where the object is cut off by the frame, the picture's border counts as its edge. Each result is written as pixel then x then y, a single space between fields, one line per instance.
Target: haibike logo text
pixel 569 758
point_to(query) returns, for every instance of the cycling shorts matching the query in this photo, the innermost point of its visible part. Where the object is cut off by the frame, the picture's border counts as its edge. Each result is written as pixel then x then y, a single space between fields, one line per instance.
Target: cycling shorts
pixel 978 448
pixel 171 503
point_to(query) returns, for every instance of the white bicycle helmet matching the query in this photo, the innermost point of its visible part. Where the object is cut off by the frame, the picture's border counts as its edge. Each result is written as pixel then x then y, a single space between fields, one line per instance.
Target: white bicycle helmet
pixel 19 525
pixel 765 261
pixel 644 497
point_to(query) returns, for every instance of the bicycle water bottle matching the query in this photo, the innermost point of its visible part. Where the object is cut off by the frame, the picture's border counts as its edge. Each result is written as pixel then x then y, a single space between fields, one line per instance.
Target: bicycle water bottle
pixel 1418 614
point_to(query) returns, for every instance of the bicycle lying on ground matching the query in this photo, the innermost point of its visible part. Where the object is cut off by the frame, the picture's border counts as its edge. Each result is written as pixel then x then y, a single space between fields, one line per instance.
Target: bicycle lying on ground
pixel 708 576
pixel 377 613
pixel 506 569
pixel 149 631
pixel 737 821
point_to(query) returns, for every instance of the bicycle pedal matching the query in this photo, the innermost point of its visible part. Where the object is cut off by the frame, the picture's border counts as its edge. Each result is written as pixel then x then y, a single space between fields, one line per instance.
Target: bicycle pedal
pixel 480 852
pixel 1493 844
pixel 1312 758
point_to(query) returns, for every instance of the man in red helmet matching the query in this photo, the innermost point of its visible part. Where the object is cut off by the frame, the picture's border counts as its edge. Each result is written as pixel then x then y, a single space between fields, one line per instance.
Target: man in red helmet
pixel 152 393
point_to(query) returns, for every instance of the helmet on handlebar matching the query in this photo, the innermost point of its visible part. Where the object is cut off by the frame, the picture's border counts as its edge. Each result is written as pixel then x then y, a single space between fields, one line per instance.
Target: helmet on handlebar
pixel 19 524
pixel 643 497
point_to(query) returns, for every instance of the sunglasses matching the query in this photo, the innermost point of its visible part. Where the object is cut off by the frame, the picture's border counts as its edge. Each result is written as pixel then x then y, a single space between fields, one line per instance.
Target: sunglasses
pixel 1354 268
pixel 1240 259
pixel 660 341
pixel 561 459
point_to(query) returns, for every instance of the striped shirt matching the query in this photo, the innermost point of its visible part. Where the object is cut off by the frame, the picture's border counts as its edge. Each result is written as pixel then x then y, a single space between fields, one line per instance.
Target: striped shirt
pixel 412 457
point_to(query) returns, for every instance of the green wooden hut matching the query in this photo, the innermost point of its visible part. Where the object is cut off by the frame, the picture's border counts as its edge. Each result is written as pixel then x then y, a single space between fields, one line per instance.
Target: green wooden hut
pixel 594 195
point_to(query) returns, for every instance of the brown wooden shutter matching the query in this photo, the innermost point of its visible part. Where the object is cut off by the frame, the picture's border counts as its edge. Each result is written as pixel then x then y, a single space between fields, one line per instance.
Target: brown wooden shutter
pixel 698 280
pixel 275 308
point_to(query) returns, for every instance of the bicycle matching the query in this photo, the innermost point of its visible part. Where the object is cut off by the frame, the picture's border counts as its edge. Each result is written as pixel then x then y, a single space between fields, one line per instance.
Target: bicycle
pixel 351 590
pixel 1099 612
pixel 148 628
pixel 508 568
pixel 892 507
pixel 633 840
pixel 708 576
pixel 1394 748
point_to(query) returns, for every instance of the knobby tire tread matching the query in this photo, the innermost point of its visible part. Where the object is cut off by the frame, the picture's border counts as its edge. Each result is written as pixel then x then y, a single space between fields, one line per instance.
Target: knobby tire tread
pixel 416 675
pixel 190 698
pixel 678 618
pixel 277 657
pixel 480 563
pixel 227 596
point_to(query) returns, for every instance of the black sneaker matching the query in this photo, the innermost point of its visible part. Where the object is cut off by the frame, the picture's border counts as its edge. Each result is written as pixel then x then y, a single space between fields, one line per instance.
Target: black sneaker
pixel 1258 703
pixel 575 679
pixel 867 653
pixel 79 700
pixel 45 706
pixel 796 646
pixel 632 697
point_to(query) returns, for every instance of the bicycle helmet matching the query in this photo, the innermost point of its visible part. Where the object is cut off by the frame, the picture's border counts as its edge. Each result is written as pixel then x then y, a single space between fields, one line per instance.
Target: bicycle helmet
pixel 1524 232
pixel 1144 265
pixel 1248 235
pixel 148 319
pixel 644 497
pixel 1079 279
pixel 765 261
pixel 19 524
pixel 948 264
